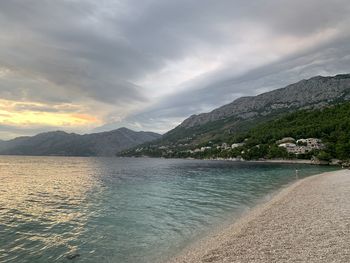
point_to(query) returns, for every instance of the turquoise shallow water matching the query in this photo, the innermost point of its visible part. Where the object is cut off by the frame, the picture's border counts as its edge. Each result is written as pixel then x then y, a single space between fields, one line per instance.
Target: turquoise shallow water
pixel 58 209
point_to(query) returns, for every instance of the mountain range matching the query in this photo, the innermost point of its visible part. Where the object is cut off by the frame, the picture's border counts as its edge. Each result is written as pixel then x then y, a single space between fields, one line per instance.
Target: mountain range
pixel 312 93
pixel 71 144
pixel 223 124
pixel 227 122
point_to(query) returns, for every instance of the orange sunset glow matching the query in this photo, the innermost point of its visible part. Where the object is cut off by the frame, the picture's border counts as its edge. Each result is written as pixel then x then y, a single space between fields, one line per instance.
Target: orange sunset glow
pixel 29 113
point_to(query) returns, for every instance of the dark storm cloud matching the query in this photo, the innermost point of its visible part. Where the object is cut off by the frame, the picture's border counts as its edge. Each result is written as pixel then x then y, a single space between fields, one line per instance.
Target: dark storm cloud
pixel 57 42
pixel 64 51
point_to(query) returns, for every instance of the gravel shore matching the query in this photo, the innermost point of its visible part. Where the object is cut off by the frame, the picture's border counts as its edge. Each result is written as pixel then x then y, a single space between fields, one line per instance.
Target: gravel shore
pixel 306 222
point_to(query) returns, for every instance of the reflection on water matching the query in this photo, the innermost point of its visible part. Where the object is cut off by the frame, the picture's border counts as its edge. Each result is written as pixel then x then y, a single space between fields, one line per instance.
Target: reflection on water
pixel 43 206
pixel 122 210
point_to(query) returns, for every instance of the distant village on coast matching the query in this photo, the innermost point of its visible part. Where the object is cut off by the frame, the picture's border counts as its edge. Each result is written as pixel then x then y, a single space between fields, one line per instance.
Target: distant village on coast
pixel 287 147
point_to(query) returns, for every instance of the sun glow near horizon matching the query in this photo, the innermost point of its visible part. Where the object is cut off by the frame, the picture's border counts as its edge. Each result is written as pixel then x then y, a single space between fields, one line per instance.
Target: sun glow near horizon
pixel 16 113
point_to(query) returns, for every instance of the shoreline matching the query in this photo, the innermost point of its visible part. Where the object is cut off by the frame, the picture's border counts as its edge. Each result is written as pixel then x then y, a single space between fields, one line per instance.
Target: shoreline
pixel 308 221
pixel 272 161
pixel 281 161
pixel 338 163
pixel 286 161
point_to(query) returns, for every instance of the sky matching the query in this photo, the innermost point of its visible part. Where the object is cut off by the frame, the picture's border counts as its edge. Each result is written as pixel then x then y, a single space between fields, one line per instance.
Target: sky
pixel 89 66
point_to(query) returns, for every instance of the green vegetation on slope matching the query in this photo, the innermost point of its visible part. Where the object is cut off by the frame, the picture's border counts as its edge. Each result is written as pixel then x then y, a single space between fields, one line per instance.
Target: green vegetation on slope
pixel 331 125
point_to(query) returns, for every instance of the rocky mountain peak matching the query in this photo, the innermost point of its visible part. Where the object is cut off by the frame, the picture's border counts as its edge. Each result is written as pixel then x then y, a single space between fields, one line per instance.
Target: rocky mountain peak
pixel 315 92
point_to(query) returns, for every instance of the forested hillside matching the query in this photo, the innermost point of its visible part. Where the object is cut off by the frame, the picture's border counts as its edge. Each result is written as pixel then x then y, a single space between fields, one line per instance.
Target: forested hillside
pixel 330 124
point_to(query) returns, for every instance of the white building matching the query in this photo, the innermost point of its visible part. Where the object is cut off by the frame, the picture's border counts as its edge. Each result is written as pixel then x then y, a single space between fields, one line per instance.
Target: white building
pixel 224 146
pixel 205 148
pixel 314 143
pixel 309 145
pixel 235 145
pixel 285 140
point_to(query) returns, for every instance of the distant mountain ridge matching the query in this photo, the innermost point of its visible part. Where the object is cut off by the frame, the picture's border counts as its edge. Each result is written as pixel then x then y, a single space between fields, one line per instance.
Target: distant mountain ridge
pixel 311 93
pixel 219 125
pixel 70 144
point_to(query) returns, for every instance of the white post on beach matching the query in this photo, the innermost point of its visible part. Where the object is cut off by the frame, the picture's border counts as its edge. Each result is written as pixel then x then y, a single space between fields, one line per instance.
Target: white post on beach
pixel 296 174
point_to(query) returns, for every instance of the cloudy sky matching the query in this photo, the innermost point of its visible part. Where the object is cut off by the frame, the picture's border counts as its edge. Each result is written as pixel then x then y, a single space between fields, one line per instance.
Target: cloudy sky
pixel 86 66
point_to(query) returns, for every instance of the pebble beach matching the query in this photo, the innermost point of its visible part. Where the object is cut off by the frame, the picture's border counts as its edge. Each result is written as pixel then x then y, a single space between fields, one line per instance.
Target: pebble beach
pixel 309 221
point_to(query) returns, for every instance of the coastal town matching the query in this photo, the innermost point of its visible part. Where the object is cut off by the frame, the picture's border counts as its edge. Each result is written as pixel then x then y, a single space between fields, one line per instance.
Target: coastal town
pixel 300 146
pixel 285 148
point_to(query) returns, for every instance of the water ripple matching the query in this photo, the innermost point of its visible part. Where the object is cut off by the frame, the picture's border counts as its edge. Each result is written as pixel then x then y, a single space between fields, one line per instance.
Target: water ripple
pixel 55 209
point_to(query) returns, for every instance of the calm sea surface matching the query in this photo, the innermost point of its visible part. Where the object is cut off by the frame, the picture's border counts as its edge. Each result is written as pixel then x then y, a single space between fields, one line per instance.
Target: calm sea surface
pixel 58 209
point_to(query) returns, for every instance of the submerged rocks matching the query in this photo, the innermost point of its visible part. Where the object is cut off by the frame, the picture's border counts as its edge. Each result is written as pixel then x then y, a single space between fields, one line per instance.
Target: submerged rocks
pixel 72 256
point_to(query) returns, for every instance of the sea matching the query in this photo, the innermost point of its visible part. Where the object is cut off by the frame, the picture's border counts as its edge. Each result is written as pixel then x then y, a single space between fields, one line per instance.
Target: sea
pixel 82 209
